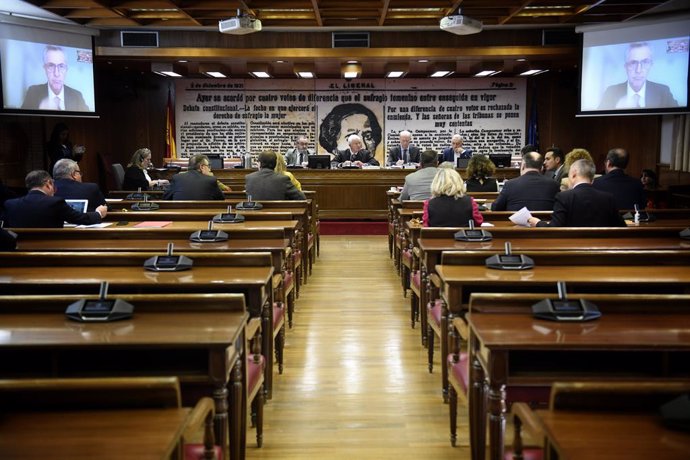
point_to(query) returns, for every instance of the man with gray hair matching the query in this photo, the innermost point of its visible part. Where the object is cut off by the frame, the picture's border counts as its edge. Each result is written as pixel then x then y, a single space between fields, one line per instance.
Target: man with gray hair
pixel 68 183
pixel 297 156
pixel 54 94
pixel 356 156
pixel 582 205
pixel 456 150
pixel 405 153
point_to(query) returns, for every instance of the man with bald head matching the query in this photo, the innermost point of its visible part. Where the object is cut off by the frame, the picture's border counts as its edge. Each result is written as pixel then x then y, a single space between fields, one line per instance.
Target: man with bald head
pixel 405 153
pixel 530 190
pixel 626 190
pixel 456 150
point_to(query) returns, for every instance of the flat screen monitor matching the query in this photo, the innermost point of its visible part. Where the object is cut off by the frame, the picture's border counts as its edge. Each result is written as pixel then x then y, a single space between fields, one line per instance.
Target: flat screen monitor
pixel 319 161
pixel 462 163
pixel 501 160
pixel 638 67
pixel 46 71
pixel 215 161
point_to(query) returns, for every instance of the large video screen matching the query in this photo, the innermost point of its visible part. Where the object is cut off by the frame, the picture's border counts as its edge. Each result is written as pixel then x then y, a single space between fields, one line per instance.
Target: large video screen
pixel 637 68
pixel 46 71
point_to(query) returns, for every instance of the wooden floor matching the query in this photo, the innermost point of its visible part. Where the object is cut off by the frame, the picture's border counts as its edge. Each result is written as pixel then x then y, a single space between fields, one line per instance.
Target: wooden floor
pixel 356 384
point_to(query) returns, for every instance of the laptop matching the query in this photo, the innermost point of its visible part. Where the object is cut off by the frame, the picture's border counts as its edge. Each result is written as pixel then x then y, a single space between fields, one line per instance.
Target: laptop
pixel 77 205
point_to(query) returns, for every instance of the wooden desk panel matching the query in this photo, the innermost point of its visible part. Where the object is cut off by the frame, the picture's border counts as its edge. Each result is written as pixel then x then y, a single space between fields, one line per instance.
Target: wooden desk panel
pixel 574 435
pixel 145 434
pixel 514 349
pixel 347 193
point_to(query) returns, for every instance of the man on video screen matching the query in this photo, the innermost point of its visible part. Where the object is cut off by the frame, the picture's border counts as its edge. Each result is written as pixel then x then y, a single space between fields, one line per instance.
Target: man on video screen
pixel 54 94
pixel 637 92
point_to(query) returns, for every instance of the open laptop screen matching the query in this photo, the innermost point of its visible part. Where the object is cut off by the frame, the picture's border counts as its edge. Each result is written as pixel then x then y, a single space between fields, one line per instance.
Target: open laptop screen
pixel 78 205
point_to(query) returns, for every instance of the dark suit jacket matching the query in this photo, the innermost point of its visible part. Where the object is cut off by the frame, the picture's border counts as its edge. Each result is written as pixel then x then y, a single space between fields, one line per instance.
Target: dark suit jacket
pixel 395 154
pixel 73 99
pixel 135 178
pixel 72 190
pixel 656 95
pixel 531 190
pixel 7 241
pixel 38 210
pixel 365 156
pixel 489 185
pixel 265 184
pixel 449 154
pixel 584 206
pixel 193 185
pixel 627 191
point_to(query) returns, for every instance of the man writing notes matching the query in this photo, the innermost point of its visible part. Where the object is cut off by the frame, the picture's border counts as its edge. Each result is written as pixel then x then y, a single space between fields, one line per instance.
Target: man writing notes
pixel 297 156
pixel 405 153
pixel 530 190
pixel 41 209
pixel 637 92
pixel 54 94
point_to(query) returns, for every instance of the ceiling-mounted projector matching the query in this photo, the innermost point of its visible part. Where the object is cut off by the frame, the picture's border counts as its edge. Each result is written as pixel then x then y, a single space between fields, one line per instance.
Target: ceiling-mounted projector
pixel 240 25
pixel 460 25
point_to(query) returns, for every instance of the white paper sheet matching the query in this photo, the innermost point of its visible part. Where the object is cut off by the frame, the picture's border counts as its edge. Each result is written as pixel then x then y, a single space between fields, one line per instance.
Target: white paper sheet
pixel 521 217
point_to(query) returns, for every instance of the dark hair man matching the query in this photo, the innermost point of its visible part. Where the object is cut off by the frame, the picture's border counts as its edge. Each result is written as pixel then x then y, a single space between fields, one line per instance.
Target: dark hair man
pixel 418 184
pixel 553 163
pixel 626 190
pixel 265 184
pixel 530 190
pixel 345 120
pixel 198 183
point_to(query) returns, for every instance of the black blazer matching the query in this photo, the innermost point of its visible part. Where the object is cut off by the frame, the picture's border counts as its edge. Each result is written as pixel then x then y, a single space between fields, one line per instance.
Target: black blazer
pixel 193 185
pixel 395 154
pixel 627 191
pixel 135 178
pixel 365 156
pixel 531 190
pixel 489 185
pixel 449 154
pixel 7 241
pixel 72 190
pixel 38 210
pixel 584 206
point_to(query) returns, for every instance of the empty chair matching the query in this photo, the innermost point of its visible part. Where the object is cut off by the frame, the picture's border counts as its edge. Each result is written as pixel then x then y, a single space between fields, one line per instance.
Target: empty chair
pixel 119 173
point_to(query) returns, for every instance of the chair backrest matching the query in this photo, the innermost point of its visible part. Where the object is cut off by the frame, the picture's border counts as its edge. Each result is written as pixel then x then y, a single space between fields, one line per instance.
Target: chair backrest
pixel 119 172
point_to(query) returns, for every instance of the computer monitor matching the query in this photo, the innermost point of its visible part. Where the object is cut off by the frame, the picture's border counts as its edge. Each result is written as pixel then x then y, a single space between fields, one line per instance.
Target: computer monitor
pixel 462 163
pixel 215 160
pixel 319 162
pixel 501 160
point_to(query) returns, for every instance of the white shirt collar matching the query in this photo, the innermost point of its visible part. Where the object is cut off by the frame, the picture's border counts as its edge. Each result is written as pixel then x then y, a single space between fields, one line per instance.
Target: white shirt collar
pixel 631 94
pixel 61 95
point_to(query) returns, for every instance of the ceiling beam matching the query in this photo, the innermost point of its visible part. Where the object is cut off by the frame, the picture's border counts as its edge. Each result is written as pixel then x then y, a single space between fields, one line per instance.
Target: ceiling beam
pixel 384 12
pixel 317 12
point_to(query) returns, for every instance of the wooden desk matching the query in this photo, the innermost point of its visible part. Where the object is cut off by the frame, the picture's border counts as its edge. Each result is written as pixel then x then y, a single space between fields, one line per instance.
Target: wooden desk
pixel 203 344
pixel 346 193
pixel 514 349
pixel 573 435
pixel 153 434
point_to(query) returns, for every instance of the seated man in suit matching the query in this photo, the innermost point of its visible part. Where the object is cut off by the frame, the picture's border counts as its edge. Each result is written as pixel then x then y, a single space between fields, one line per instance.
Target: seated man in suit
pixel 418 184
pixel 582 205
pixel 405 153
pixel 637 91
pixel 198 183
pixel 41 209
pixel 356 155
pixel 531 189
pixel 68 184
pixel 265 184
pixel 626 190
pixel 456 150
pixel 297 156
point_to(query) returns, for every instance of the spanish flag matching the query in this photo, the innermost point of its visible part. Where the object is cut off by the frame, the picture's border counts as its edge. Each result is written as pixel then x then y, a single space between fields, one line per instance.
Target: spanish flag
pixel 170 150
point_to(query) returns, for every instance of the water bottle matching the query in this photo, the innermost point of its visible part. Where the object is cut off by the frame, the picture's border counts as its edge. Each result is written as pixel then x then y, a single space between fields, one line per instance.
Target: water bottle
pixel 247 163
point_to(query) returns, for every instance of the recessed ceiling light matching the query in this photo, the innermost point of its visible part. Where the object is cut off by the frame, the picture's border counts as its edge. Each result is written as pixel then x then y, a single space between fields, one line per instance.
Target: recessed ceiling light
pixel 215 74
pixel 306 74
pixel 440 73
pixel 531 72
pixel 395 74
pixel 423 60
pixel 261 74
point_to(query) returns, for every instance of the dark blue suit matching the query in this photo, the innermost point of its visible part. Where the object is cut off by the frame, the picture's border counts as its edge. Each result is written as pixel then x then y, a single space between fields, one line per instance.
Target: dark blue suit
pixel 627 191
pixel 449 154
pixel 72 190
pixel 193 185
pixel 531 190
pixel 38 210
pixel 584 206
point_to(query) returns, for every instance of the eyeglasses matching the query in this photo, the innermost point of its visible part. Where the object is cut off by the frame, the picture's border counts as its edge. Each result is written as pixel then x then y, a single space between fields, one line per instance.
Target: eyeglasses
pixel 644 63
pixel 61 68
pixel 206 164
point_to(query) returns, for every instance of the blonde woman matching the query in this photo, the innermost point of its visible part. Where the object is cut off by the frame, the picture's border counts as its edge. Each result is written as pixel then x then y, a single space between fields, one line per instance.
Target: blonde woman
pixel 449 206
pixel 570 158
pixel 136 175
pixel 281 168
